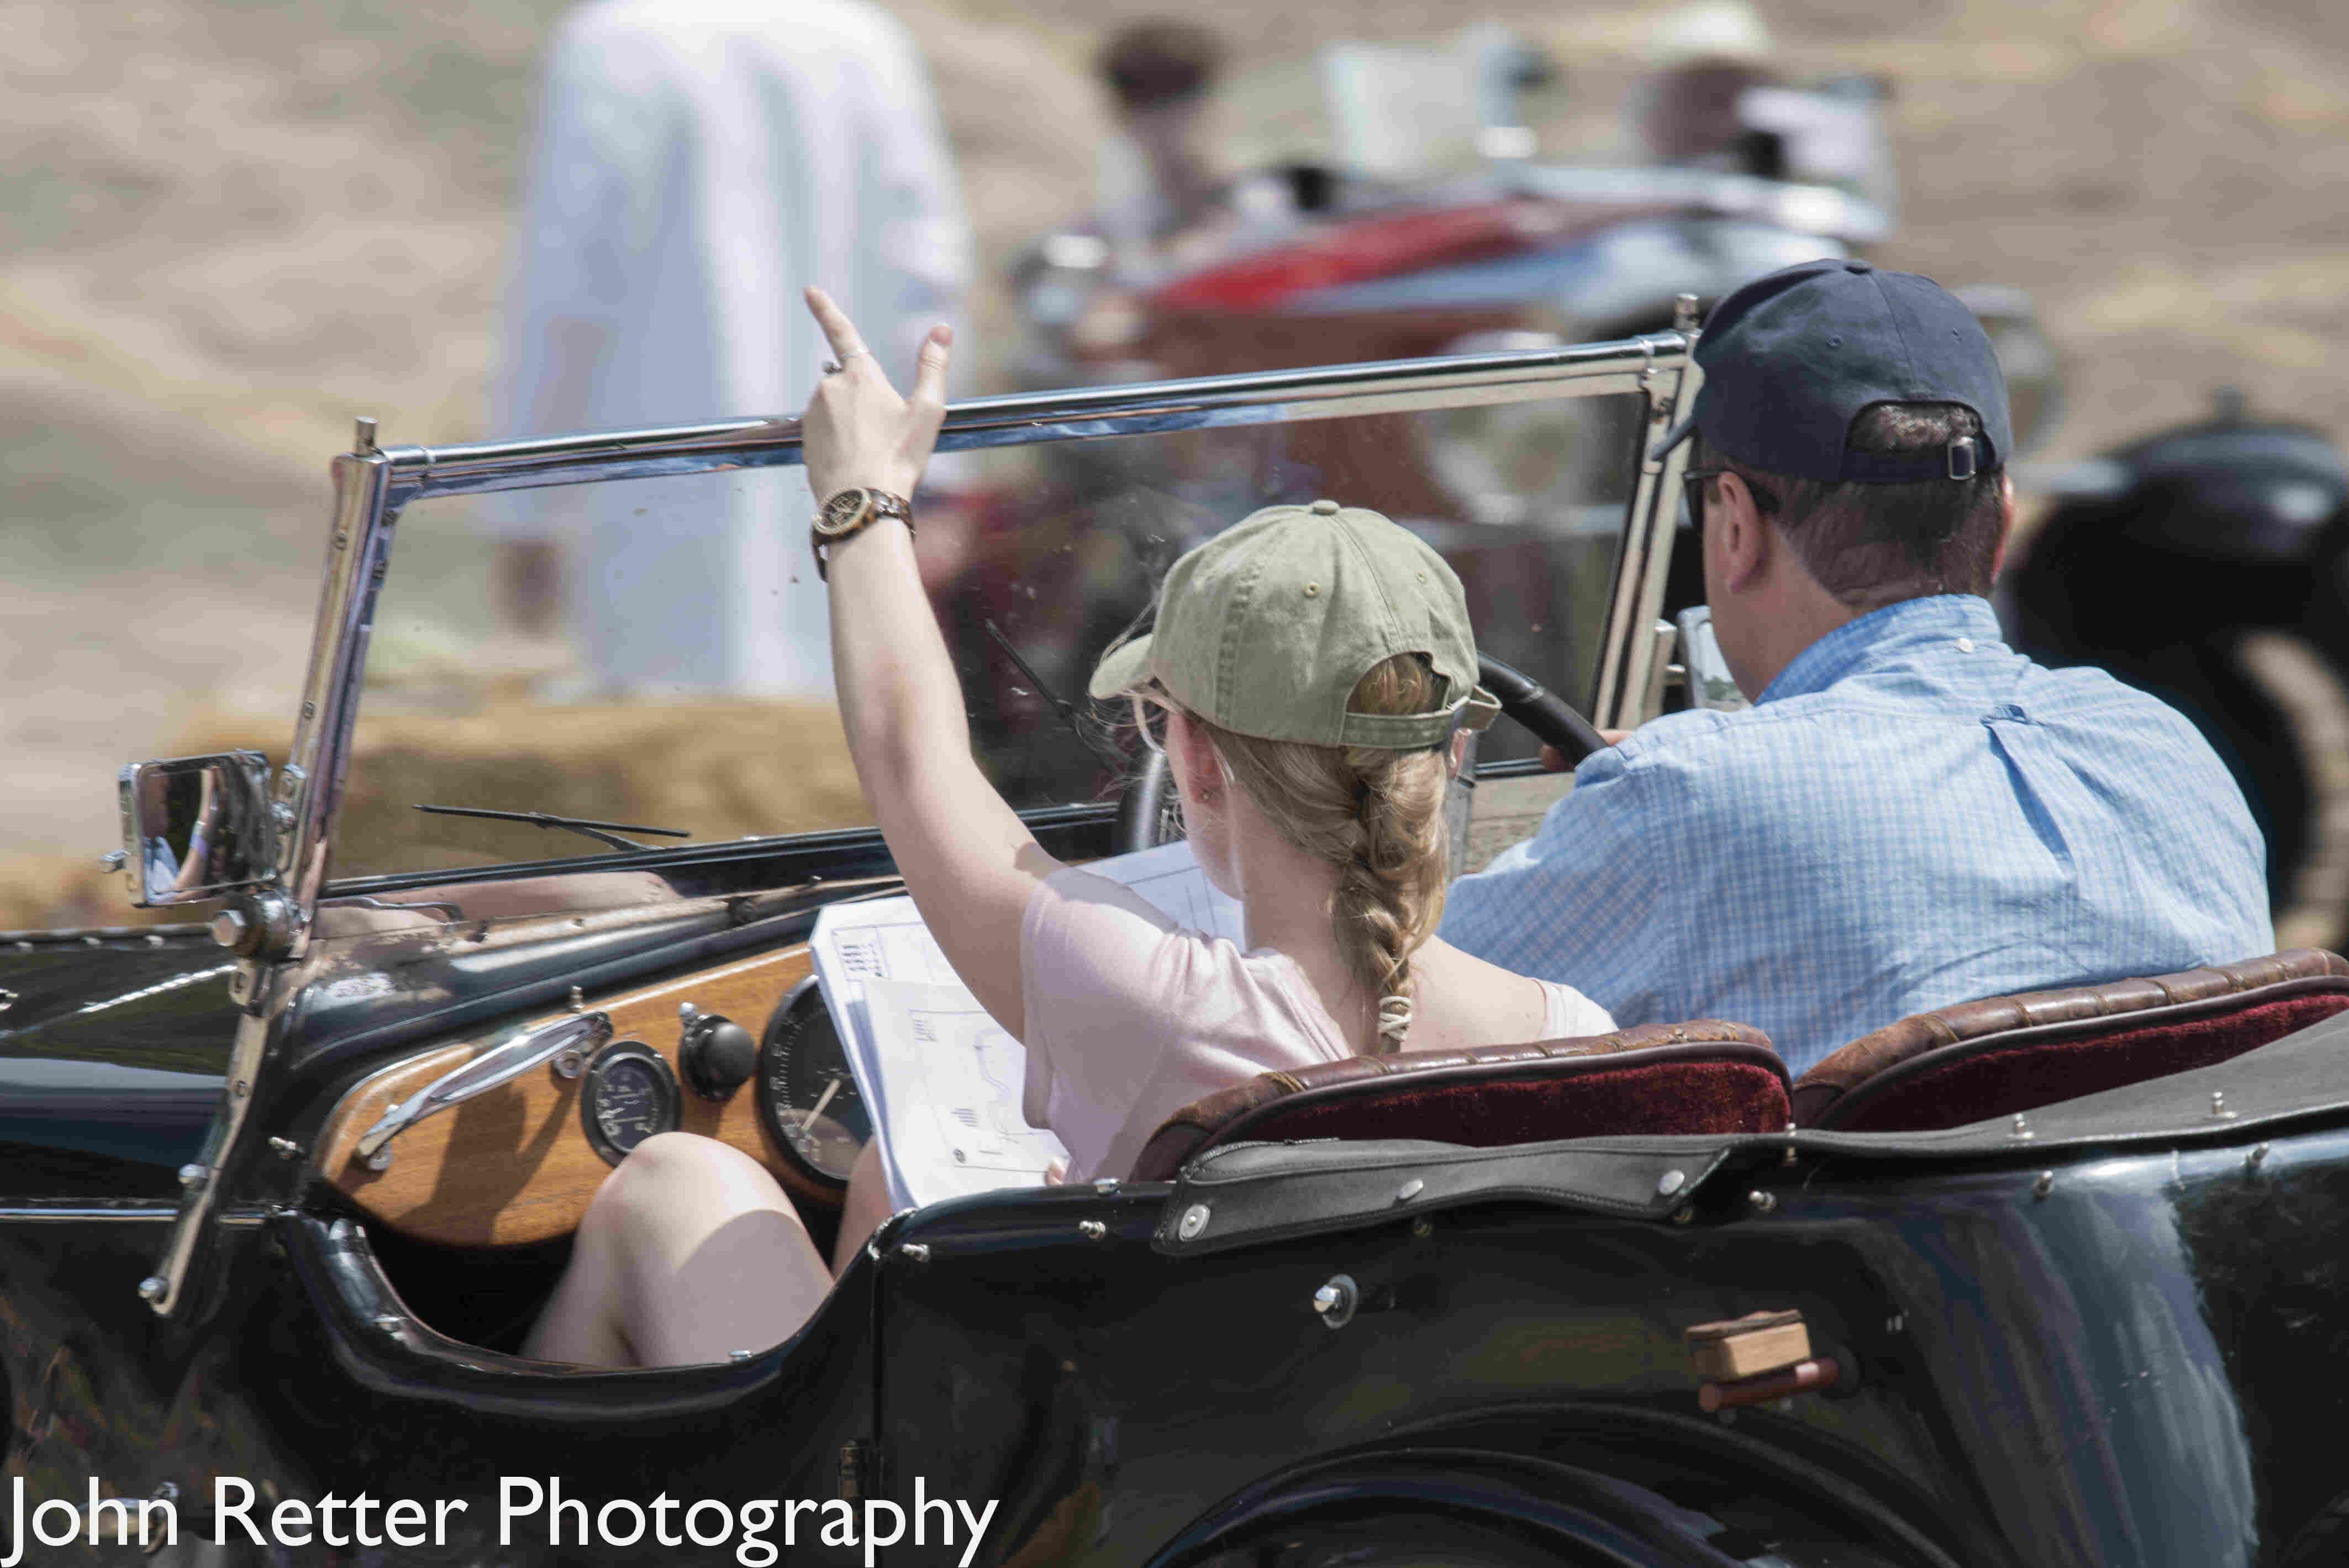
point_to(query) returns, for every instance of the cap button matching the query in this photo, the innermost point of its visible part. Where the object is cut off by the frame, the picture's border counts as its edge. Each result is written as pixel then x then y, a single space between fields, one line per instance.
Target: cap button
pixel 1325 508
pixel 1858 267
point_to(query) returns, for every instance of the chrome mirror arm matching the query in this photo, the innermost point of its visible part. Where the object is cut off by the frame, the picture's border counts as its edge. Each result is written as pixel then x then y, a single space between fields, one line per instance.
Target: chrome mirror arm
pixel 501 1064
pixel 266 982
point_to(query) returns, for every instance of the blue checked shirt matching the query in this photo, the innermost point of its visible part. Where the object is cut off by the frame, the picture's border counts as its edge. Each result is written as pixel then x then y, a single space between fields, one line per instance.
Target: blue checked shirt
pixel 1913 814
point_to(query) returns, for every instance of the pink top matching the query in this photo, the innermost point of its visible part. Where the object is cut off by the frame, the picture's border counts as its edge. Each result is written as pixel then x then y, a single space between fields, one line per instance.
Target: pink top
pixel 1132 1017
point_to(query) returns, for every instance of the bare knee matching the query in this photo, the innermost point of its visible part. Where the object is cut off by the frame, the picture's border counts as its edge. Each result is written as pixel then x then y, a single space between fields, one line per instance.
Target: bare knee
pixel 676 1187
pixel 669 1166
pixel 674 1156
pixel 689 1251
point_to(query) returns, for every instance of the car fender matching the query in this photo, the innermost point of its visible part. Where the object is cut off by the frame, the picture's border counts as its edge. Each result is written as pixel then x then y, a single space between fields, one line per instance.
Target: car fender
pixel 1490 1479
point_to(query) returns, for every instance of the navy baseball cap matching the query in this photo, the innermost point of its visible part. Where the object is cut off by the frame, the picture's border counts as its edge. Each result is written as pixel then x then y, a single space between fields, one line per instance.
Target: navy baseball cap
pixel 1791 359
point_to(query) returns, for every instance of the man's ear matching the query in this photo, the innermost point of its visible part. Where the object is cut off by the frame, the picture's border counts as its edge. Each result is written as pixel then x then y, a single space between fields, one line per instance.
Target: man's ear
pixel 1745 539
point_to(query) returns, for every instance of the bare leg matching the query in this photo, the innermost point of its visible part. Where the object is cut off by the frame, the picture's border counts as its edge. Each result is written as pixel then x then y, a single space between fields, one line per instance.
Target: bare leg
pixel 689 1251
pixel 867 1206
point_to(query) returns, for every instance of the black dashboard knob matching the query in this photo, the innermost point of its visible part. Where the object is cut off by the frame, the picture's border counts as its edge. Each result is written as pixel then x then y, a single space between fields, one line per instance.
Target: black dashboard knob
pixel 717 1054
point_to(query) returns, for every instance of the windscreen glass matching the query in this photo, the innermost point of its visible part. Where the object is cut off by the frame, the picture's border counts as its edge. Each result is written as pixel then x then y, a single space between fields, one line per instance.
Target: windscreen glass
pixel 653 652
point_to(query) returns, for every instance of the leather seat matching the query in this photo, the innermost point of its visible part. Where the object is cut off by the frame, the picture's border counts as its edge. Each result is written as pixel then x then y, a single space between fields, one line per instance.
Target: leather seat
pixel 2009 1054
pixel 1704 1077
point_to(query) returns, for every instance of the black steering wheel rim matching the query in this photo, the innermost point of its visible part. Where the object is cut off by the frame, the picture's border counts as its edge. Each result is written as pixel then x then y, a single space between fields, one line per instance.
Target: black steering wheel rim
pixel 1544 712
pixel 1146 816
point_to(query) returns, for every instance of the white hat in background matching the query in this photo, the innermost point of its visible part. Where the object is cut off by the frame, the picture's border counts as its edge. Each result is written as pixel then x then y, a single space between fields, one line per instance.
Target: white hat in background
pixel 1730 31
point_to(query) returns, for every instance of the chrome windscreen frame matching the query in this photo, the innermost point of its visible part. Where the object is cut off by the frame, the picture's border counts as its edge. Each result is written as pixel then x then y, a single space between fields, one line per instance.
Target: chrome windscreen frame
pixel 373 484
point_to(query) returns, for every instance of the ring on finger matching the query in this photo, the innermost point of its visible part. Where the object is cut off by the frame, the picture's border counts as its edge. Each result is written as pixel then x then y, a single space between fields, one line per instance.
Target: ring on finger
pixel 831 367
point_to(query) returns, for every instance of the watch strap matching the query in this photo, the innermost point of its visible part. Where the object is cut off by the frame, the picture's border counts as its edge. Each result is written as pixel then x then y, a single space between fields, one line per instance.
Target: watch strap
pixel 877 504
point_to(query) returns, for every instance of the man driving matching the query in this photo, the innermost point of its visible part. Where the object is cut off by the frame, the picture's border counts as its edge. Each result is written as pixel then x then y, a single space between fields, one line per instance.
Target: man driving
pixel 1911 813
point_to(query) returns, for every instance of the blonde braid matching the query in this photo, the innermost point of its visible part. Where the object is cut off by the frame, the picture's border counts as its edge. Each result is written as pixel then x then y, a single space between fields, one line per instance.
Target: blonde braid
pixel 1378 815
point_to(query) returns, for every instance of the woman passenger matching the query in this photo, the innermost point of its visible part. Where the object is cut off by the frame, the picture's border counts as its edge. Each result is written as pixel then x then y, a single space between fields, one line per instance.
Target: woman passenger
pixel 1308 674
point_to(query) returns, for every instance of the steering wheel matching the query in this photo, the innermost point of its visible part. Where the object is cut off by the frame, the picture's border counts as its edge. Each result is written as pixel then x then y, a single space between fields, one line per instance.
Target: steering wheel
pixel 1148 814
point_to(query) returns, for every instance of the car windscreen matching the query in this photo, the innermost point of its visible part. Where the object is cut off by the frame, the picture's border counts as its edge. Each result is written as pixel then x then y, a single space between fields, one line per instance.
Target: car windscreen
pixel 652 652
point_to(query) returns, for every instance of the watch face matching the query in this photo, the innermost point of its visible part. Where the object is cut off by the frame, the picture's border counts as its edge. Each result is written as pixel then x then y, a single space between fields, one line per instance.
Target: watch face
pixel 843 511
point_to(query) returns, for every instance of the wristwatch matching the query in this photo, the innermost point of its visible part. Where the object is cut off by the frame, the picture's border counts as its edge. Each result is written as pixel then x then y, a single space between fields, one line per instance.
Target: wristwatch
pixel 849 513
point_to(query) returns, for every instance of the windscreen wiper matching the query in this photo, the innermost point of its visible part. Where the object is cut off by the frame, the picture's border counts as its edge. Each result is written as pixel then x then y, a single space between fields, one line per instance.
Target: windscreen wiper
pixel 601 832
pixel 1066 708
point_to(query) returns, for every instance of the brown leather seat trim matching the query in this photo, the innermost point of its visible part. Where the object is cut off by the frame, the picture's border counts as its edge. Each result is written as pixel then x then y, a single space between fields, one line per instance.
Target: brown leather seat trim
pixel 1839 1086
pixel 1224 1116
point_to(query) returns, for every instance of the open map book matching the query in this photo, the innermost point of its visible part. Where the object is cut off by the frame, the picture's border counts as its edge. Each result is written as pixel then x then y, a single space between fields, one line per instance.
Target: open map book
pixel 940 1078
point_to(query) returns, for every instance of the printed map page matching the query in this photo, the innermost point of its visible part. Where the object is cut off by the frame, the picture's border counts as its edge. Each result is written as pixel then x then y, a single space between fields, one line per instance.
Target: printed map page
pixel 958 1075
pixel 941 1079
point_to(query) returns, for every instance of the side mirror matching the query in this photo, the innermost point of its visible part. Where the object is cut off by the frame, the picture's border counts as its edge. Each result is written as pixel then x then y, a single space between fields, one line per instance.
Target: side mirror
pixel 197 827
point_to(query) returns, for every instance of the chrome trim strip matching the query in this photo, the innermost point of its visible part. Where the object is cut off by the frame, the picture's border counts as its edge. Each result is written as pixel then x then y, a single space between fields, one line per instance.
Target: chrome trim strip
pixel 98 936
pixel 1206 402
pixel 65 1213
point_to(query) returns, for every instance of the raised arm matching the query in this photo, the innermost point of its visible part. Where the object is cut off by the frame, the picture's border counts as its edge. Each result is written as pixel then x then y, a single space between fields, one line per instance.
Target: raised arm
pixel 968 859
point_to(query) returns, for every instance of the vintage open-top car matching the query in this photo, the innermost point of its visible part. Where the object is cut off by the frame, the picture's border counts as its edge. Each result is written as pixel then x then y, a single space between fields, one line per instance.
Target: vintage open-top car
pixel 2040 1281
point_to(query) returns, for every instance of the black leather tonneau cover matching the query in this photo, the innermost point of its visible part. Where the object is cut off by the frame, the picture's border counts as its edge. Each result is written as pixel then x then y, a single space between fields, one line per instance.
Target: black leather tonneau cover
pixel 1250 1192
pixel 1247 1193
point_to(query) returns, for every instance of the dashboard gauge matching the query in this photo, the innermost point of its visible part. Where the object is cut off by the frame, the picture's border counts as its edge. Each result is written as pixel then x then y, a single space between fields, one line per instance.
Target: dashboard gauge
pixel 627 1094
pixel 807 1095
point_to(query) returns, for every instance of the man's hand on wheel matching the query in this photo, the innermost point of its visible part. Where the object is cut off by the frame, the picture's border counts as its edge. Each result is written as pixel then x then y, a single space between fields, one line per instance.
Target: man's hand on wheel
pixel 1553 761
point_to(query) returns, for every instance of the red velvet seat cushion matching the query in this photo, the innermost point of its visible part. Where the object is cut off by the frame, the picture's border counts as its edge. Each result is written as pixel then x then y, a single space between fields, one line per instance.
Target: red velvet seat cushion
pixel 1704 1077
pixel 2004 1055
pixel 1998 1082
pixel 1651 1098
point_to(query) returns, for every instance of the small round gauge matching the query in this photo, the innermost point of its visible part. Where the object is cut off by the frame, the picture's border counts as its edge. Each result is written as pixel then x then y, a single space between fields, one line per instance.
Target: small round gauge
pixel 627 1095
pixel 806 1092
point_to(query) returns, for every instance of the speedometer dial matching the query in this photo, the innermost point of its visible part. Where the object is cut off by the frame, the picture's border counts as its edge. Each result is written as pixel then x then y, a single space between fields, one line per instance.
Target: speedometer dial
pixel 627 1094
pixel 807 1095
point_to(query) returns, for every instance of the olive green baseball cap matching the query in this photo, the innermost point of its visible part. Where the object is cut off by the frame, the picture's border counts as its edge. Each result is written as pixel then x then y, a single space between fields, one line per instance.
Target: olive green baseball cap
pixel 1265 629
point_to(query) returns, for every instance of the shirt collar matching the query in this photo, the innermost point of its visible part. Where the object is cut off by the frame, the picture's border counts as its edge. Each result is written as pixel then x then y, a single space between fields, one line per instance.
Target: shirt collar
pixel 1872 635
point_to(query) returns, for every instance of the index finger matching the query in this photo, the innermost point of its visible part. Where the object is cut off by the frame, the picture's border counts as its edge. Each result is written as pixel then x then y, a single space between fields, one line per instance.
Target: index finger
pixel 837 327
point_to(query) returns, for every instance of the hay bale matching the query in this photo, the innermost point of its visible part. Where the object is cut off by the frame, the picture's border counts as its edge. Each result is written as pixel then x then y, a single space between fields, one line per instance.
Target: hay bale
pixel 721 768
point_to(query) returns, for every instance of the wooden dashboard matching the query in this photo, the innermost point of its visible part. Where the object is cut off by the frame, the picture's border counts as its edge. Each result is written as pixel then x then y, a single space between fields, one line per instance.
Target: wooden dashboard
pixel 513 1165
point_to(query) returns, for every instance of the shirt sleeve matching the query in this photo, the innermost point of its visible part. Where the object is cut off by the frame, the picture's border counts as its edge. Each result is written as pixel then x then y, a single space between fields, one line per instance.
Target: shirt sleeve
pixel 605 118
pixel 1100 975
pixel 1588 900
pixel 1571 1016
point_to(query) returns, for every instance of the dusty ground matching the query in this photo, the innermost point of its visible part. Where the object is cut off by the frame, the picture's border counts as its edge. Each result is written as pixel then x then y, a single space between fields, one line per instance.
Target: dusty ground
pixel 231 227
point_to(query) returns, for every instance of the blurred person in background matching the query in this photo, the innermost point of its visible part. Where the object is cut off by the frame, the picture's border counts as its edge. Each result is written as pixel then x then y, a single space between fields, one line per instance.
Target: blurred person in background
pixel 1155 180
pixel 697 163
pixel 1706 57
